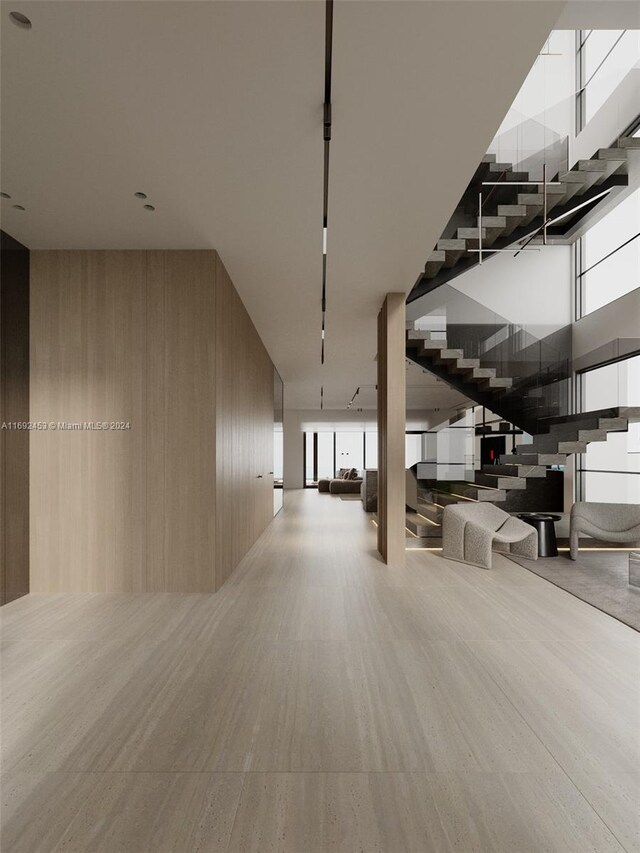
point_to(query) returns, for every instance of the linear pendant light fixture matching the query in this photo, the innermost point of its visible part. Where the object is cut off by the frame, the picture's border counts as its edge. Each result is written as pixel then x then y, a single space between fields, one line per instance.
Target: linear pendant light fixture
pixel 546 220
pixel 562 216
pixel 326 136
pixel 521 183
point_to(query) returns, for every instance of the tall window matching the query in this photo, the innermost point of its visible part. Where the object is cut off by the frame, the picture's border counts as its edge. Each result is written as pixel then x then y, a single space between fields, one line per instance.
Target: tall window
pixel 327 452
pixel 349 450
pixel 609 256
pixel 310 474
pixel 326 458
pixel 371 449
pixel 610 470
pixel 604 58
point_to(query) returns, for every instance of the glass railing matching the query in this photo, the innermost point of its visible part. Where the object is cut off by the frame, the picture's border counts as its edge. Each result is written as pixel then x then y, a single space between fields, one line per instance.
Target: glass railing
pixel 529 144
pixel 448 450
pixel 537 359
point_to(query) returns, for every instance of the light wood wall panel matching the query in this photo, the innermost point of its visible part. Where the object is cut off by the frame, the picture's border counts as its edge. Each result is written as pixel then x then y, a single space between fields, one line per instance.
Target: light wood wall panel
pixel 244 430
pixel 391 430
pixel 88 496
pixel 190 413
pixel 133 337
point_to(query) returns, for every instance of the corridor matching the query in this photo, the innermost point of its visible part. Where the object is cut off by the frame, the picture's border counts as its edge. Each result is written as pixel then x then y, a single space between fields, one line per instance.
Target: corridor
pixel 322 701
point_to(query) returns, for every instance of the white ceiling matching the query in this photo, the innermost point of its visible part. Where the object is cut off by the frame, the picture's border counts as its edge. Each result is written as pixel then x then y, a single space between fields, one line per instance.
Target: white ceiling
pixel 214 109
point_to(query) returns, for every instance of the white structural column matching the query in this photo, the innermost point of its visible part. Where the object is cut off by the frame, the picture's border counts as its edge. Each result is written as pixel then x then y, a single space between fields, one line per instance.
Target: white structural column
pixel 391 429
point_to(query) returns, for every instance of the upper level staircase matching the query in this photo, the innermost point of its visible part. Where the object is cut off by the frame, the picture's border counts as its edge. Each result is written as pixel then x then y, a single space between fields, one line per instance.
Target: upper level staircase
pixel 513 209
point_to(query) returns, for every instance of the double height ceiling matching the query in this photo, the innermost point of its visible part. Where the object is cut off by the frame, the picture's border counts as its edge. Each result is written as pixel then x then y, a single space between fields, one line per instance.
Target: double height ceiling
pixel 214 111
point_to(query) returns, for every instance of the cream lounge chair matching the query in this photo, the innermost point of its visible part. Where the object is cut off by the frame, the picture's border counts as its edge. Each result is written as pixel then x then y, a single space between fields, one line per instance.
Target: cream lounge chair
pixel 606 522
pixel 469 531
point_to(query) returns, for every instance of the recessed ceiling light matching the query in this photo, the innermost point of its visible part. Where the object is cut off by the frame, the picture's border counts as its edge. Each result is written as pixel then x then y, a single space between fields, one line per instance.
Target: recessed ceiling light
pixel 18 207
pixel 140 195
pixel 20 20
pixel 149 207
pixel 5 195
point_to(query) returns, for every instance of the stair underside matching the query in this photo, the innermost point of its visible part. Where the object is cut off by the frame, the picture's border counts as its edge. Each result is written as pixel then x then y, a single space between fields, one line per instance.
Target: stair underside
pixel 515 208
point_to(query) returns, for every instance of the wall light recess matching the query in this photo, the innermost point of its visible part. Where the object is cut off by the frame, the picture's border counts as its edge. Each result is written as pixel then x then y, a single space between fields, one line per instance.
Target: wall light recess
pixel 140 195
pixel 20 20
pixel 18 207
pixel 5 195
pixel 149 207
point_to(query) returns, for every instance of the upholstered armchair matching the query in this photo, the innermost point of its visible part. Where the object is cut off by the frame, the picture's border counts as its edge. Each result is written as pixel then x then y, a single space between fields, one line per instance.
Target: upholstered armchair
pixel 469 531
pixel 606 522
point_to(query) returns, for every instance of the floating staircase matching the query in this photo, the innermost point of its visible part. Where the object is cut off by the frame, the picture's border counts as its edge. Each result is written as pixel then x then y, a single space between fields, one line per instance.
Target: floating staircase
pixel 512 210
pixel 503 367
pixel 555 437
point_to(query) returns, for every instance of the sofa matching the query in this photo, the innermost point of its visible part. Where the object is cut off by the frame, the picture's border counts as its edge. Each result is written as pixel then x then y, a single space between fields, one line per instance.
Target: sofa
pixel 603 521
pixel 346 482
pixel 470 530
pixel 345 487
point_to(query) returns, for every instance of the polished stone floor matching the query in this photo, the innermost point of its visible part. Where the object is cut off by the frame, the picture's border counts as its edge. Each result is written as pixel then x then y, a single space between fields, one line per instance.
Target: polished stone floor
pixel 322 702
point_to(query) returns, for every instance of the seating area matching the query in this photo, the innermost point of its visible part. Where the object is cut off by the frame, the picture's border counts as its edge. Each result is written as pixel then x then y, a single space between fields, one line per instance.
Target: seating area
pixel 470 530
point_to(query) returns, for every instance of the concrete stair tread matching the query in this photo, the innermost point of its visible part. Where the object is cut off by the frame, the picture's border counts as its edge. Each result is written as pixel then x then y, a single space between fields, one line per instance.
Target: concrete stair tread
pixel 468 492
pixel 572 446
pixel 453 248
pixel 484 373
pixel 424 335
pixel 504 482
pixel 618 154
pixel 500 382
pixel 629 142
pixel 592 435
pixel 464 364
pixel 472 236
pixel 494 221
pixel 434 263
pixel 429 510
pixel 583 179
pixel 451 244
pixel 539 458
pixel 592 165
pixel 530 200
pixel 613 424
pixel 631 413
pixel 573 177
pixel 512 210
pixel 421 527
pixel 450 354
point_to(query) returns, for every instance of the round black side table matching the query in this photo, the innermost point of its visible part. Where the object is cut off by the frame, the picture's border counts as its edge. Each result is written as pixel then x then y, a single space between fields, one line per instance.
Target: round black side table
pixel 545 525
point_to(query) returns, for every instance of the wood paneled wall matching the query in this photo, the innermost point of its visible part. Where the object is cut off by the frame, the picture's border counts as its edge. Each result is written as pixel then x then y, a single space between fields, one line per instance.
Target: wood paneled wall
pixel 141 338
pixel 244 430
pixel 391 430
pixel 14 409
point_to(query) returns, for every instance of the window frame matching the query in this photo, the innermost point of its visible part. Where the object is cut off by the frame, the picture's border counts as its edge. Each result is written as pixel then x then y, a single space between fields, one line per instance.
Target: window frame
pixel 579 469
